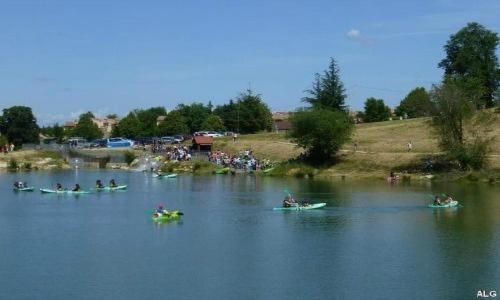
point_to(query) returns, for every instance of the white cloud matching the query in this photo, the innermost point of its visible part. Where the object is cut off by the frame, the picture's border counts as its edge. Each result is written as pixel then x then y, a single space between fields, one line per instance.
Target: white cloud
pixel 353 34
pixel 356 36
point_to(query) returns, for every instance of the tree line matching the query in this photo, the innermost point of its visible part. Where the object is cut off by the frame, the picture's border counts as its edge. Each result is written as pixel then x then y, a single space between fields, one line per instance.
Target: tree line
pixel 247 113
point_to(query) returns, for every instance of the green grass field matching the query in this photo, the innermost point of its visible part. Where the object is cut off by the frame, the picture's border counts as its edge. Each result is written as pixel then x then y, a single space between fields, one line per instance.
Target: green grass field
pixel 382 146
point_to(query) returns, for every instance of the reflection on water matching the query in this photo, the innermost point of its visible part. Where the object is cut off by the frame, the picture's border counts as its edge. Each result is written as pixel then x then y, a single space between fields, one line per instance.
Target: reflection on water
pixel 372 241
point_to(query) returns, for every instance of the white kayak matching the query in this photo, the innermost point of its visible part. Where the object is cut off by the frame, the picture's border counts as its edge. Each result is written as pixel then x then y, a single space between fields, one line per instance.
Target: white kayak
pixel 305 207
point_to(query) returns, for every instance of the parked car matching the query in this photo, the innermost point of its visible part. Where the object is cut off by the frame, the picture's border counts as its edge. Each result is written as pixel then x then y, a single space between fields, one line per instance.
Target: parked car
pixel 100 143
pixel 119 142
pixel 178 138
pixel 78 142
pixel 213 134
pixel 167 140
pixel 145 140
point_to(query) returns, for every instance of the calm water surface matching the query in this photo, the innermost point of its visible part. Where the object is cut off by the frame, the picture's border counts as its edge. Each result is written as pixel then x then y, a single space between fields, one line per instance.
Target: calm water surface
pixel 373 240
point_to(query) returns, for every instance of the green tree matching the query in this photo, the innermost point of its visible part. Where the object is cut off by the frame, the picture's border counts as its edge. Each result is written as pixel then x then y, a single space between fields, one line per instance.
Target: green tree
pixel 229 114
pixel 86 128
pixel 3 140
pixel 464 133
pixel 55 131
pixel 328 91
pixel 416 104
pixel 18 124
pixel 148 120
pixel 129 127
pixel 213 123
pixel 112 116
pixel 376 111
pixel 471 55
pixel 194 114
pixel 253 115
pixel 174 123
pixel 321 132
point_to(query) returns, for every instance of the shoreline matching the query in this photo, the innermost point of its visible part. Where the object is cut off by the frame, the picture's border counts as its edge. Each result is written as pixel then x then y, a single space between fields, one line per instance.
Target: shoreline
pixel 282 170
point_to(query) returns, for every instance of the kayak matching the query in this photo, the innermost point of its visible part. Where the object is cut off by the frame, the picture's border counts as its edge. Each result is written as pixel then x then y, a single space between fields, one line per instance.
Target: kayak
pixel 310 206
pixel 173 175
pixel 222 171
pixel 268 170
pixel 173 215
pixel 50 191
pixel 26 189
pixel 109 188
pixel 451 204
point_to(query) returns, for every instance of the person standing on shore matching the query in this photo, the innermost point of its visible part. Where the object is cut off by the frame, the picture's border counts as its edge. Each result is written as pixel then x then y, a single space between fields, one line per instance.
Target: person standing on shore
pixel 410 146
pixel 355 146
pixel 235 135
pixel 12 147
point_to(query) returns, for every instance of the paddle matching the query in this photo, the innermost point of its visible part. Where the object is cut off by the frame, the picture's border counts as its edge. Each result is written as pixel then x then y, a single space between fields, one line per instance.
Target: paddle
pixel 180 213
pixel 290 195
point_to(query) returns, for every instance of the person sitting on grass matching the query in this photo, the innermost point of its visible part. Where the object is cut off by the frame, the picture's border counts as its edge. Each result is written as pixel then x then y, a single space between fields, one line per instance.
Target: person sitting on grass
pixel 76 188
pixel 392 177
pixel 98 184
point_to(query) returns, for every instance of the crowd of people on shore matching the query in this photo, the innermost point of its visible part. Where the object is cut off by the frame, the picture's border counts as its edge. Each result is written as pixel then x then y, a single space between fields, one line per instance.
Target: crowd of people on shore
pixel 243 161
pixel 175 153
pixel 7 148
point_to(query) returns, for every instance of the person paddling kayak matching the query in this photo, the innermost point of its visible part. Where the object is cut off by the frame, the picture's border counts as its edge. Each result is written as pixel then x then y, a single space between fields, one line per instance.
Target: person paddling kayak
pixel 289 201
pixel 59 187
pixel 437 200
pixel 76 188
pixel 20 184
pixel 112 183
pixel 160 211
pixel 448 199
pixel 98 184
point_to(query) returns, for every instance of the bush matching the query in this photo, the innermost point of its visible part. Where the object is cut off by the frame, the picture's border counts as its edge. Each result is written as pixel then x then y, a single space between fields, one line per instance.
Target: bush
pixel 321 132
pixel 169 167
pixel 27 166
pixel 464 133
pixel 129 157
pixel 103 161
pixel 299 170
pixel 13 165
pixel 198 165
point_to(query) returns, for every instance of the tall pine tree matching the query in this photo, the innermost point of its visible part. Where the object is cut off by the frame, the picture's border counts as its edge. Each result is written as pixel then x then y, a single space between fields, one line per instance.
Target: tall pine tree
pixel 328 91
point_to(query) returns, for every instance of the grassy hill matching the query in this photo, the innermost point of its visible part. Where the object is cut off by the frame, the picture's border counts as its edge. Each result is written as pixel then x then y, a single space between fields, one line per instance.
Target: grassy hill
pixel 382 146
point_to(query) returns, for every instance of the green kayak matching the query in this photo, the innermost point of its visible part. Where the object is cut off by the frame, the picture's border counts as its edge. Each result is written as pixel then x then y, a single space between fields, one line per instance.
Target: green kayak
pixel 451 204
pixel 109 188
pixel 173 175
pixel 268 170
pixel 222 171
pixel 26 189
pixel 50 191
pixel 306 207
pixel 173 215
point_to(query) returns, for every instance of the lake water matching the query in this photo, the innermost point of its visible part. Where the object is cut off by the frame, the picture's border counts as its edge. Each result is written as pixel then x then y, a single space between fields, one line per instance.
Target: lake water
pixel 372 241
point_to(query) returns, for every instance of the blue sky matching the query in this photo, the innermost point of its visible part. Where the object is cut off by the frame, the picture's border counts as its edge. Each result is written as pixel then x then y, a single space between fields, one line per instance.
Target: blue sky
pixel 65 57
